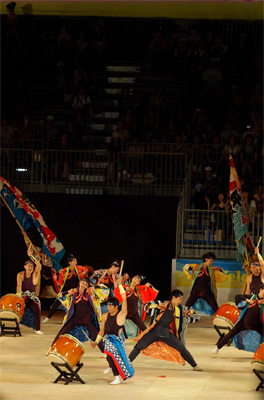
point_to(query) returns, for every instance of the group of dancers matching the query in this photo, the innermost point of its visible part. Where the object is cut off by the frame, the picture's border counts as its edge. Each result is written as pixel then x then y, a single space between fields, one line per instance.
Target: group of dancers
pixel 107 307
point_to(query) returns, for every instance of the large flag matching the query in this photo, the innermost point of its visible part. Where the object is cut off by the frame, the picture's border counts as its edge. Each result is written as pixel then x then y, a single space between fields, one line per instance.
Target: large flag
pixel 27 216
pixel 239 213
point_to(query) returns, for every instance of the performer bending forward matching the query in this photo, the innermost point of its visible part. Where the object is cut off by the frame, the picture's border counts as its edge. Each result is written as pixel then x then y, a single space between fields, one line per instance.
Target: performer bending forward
pixel 251 318
pixel 114 344
pixel 160 331
pixel 80 313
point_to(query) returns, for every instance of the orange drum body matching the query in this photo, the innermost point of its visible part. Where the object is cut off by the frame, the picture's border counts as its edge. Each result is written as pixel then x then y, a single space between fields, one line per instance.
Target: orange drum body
pixel 258 360
pixel 67 349
pixel 12 306
pixel 226 315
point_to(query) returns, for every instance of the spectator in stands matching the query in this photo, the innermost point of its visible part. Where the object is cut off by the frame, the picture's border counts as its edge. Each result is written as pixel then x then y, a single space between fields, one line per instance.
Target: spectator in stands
pixel 188 133
pixel 212 77
pixel 197 156
pixel 114 147
pixel 158 49
pixel 60 86
pixel 179 121
pixel 123 134
pixel 98 47
pixel 130 123
pixel 199 119
pixel 225 135
pixel 256 98
pixel 250 204
pixel 258 123
pixel 172 47
pixel 181 55
pixel 209 39
pixel 259 199
pixel 215 156
pixel 12 17
pixel 150 125
pixel 83 103
pixel 206 188
pixel 64 43
pixel 124 102
pixel 192 40
pixel 208 134
pixel 218 50
pixel 6 134
pixel 49 38
pixel 61 158
pixel 248 157
pixel 236 104
pixel 78 75
pixel 232 149
pixel 72 133
pixel 26 131
pixel 170 134
pixel 51 132
pixel 250 130
pixel 81 48
pixel 201 56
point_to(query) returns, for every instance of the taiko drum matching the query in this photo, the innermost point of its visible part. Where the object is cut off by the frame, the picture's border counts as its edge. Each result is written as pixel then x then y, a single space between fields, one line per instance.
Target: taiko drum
pixel 67 349
pixel 226 315
pixel 12 306
pixel 257 362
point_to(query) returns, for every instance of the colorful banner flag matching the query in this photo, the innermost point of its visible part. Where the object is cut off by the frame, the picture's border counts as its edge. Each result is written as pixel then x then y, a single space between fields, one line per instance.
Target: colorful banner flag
pixel 27 216
pixel 239 212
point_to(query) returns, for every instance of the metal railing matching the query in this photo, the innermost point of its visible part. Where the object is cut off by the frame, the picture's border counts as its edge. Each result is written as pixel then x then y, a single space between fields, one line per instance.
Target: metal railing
pixel 200 231
pixel 94 171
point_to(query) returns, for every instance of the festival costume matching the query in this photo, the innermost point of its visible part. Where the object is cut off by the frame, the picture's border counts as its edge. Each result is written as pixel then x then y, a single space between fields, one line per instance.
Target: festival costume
pixel 159 342
pixel 115 348
pixel 136 299
pixel 83 314
pixel 255 283
pixel 247 333
pixel 109 280
pixel 68 280
pixel 32 303
pixel 203 296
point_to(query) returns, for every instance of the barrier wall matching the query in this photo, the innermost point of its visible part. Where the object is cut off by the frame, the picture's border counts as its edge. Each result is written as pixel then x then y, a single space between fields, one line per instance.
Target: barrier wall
pixel 220 9
pixel 225 291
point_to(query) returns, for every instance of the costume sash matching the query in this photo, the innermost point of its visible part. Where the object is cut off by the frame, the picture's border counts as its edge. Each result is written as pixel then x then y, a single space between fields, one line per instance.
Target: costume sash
pixel 114 346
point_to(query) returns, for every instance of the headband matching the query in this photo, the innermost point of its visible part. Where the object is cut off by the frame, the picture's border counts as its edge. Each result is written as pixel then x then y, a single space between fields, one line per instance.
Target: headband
pixel 140 277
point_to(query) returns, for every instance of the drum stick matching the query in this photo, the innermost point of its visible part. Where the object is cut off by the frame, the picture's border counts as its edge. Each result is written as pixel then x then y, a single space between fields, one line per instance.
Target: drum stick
pixel 259 241
pixel 85 335
pixel 122 264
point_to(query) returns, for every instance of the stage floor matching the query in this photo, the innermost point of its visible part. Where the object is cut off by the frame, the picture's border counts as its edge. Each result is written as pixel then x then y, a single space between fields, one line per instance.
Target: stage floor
pixel 27 374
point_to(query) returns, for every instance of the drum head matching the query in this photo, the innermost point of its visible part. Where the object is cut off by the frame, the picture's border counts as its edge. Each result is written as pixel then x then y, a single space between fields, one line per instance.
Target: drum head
pixel 9 314
pixel 222 322
pixel 258 366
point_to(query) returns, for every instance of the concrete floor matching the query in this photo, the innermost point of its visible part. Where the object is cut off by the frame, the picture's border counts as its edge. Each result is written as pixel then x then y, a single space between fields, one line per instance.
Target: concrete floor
pixel 27 374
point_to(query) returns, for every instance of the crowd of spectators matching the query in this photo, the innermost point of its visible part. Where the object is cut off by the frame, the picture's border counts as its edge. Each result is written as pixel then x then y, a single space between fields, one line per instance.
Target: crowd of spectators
pixel 216 112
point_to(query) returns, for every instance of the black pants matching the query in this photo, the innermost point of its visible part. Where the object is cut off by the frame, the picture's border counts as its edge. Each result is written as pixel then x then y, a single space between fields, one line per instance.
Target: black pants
pixel 207 296
pixel 69 325
pixel 138 321
pixel 54 308
pixel 36 311
pixel 171 341
pixel 242 325
pixel 112 365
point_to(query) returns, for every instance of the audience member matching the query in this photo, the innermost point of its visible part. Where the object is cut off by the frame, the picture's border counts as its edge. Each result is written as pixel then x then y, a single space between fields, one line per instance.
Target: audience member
pixel 259 199
pixel 206 188
pixel 248 158
pixel 225 135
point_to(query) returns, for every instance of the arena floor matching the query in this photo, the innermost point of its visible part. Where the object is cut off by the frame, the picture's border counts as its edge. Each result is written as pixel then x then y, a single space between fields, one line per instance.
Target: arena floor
pixel 27 373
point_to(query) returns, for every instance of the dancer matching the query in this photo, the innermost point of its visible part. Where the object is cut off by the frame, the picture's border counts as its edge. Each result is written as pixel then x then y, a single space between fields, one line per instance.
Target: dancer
pixel 69 278
pixel 26 289
pixel 203 296
pixel 254 279
pixel 137 296
pixel 251 318
pixel 114 344
pixel 82 311
pixel 160 332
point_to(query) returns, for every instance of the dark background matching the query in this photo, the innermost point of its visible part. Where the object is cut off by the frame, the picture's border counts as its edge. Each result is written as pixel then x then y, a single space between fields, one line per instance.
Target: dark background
pixel 97 230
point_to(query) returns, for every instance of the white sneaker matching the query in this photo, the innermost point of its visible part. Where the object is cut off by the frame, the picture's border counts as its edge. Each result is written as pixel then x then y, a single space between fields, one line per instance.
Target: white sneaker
pixel 38 333
pixel 216 350
pixel 197 368
pixel 116 381
pixel 107 370
pixel 45 321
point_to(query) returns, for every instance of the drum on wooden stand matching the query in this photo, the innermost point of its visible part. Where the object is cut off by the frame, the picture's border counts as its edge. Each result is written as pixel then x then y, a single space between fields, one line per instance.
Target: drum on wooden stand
pixel 226 316
pixel 12 306
pixel 67 349
pixel 257 362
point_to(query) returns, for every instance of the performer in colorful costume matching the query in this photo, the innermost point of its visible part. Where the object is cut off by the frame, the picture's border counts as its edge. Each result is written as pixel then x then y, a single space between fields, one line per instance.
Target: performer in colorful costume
pixel 108 277
pixel 137 296
pixel 83 311
pixel 114 344
pixel 254 279
pixel 158 339
pixel 203 296
pixel 248 331
pixel 69 278
pixel 26 289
